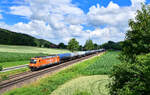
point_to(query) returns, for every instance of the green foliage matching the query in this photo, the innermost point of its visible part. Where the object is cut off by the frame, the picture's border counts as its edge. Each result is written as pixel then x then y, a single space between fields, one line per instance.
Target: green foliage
pixel 81 48
pixel 81 93
pixel 49 84
pixel 89 45
pixel 1 67
pixel 132 79
pixel 62 46
pixel 96 47
pixel 4 77
pixel 110 45
pixel 13 38
pixel 73 45
pixel 138 37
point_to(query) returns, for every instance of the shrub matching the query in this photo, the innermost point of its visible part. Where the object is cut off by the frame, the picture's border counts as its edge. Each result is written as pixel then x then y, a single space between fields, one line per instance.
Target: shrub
pixel 4 77
pixel 131 79
pixel 81 93
pixel 1 67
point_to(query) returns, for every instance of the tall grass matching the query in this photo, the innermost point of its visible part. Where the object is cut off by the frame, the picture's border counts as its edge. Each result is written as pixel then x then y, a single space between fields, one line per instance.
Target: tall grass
pixel 11 57
pixel 103 65
pixel 47 85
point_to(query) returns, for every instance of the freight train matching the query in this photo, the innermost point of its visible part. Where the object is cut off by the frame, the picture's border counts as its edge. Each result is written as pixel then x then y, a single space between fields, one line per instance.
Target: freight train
pixel 44 61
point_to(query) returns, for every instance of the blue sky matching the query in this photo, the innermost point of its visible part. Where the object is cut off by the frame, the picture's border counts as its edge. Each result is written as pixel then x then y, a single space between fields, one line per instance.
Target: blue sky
pixel 102 20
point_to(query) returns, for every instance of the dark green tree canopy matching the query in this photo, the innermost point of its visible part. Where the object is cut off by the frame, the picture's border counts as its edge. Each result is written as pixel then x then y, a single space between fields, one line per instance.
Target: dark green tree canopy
pixel 133 75
pixel 138 37
pixel 73 45
pixel 89 45
pixel 62 45
pixel 12 38
pixel 110 45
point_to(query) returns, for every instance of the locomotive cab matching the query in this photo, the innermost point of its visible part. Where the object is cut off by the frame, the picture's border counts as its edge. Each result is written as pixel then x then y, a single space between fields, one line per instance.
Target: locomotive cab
pixel 34 63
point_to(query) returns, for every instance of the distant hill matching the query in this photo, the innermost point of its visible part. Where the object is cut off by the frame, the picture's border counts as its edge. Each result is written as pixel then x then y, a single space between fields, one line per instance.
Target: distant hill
pixel 12 38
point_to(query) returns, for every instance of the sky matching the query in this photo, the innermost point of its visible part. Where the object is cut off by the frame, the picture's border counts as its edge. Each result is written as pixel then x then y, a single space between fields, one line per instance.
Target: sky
pixel 61 20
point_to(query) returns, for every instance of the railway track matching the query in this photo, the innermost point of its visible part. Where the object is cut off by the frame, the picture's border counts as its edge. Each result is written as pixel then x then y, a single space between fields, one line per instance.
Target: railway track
pixel 13 80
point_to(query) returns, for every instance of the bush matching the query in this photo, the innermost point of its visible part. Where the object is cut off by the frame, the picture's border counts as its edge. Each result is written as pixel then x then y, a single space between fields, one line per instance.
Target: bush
pixel 81 93
pixel 131 79
pixel 4 77
pixel 1 67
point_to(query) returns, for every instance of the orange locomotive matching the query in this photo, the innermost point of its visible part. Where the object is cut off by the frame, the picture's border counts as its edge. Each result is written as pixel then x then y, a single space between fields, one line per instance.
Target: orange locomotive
pixel 38 62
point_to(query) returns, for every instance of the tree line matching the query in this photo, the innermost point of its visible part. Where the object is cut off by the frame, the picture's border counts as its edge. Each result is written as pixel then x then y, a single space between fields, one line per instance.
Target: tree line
pixel 73 45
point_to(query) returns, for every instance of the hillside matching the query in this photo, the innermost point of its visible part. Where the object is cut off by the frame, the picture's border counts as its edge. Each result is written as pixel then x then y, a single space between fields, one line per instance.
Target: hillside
pixel 12 38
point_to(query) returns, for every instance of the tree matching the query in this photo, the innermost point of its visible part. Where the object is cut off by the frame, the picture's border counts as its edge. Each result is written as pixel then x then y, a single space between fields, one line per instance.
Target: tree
pixel 138 37
pixel 89 45
pixel 133 75
pixel 112 45
pixel 73 45
pixel 81 48
pixel 62 45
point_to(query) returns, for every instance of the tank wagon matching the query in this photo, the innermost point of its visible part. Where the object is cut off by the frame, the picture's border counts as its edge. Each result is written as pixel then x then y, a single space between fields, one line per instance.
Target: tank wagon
pixel 43 61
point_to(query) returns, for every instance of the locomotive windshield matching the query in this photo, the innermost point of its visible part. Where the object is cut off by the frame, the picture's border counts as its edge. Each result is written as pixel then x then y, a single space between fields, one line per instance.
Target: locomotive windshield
pixel 33 61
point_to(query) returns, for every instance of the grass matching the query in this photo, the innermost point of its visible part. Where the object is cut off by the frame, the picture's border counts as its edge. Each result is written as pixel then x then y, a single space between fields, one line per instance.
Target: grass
pixel 12 57
pixel 86 85
pixel 47 85
pixel 103 65
pixel 5 75
pixel 30 49
pixel 16 63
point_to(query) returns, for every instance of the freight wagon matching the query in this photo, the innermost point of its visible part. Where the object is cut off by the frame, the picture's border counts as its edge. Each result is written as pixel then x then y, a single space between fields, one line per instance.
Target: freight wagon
pixel 43 61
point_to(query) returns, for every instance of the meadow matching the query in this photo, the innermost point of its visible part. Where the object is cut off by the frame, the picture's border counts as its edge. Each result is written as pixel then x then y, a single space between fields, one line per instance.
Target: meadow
pixel 30 49
pixel 93 66
pixel 11 55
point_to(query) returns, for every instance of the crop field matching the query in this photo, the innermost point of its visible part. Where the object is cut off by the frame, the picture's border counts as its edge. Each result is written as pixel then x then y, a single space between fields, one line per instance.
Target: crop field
pixel 89 85
pixel 30 49
pixel 11 55
pixel 99 65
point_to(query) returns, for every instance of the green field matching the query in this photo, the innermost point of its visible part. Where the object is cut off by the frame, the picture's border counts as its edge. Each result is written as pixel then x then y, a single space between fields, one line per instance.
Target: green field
pixel 47 86
pixel 93 85
pixel 30 49
pixel 12 57
pixel 18 55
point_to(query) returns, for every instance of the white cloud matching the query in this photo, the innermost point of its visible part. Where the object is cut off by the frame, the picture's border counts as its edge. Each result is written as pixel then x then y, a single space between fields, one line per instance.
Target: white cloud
pixel 113 15
pixel 137 3
pixel 60 20
pixel 21 10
